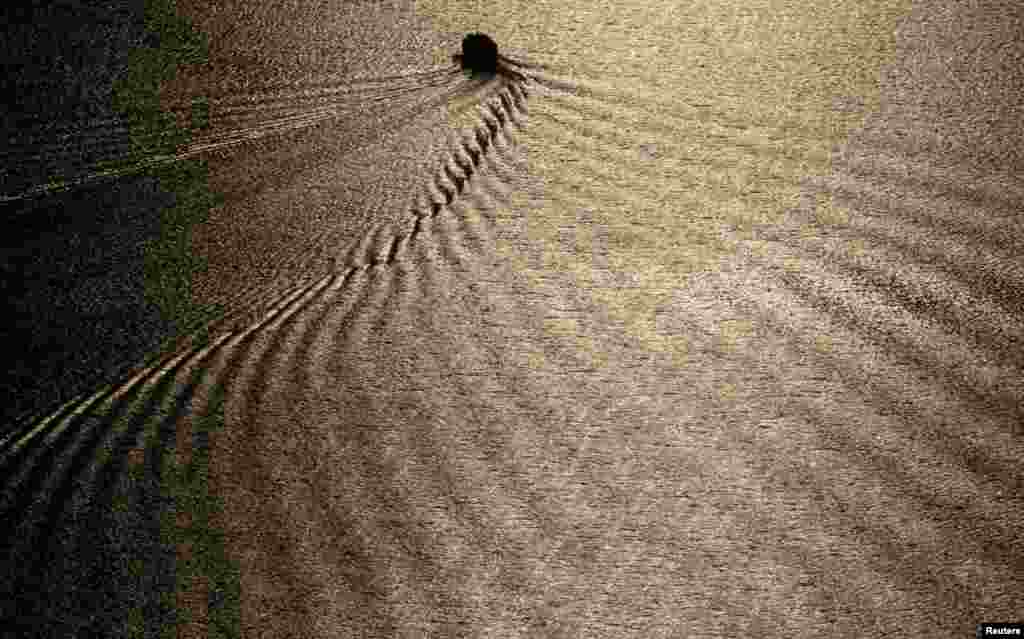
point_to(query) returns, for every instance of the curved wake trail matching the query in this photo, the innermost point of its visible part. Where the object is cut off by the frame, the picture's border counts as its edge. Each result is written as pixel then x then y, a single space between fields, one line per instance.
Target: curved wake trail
pixel 136 444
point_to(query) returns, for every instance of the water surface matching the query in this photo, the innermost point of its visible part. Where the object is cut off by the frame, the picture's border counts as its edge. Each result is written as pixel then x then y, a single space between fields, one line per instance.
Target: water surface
pixel 710 328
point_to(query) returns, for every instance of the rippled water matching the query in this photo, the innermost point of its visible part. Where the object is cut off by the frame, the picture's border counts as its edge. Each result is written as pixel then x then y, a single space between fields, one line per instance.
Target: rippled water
pixel 710 326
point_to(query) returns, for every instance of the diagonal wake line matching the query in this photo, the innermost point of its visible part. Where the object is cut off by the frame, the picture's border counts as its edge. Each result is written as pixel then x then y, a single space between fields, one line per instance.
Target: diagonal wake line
pixel 254 103
pixel 25 124
pixel 236 137
pixel 109 136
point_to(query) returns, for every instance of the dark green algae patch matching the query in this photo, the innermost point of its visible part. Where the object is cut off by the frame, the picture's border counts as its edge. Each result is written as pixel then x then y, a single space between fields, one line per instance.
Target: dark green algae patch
pixel 155 133
pixel 189 537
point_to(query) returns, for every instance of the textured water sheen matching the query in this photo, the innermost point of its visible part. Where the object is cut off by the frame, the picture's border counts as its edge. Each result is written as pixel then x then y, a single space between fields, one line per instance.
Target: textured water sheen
pixel 711 328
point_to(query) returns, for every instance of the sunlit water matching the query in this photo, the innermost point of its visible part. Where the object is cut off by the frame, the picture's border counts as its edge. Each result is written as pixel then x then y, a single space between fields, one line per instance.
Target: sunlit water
pixel 711 327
